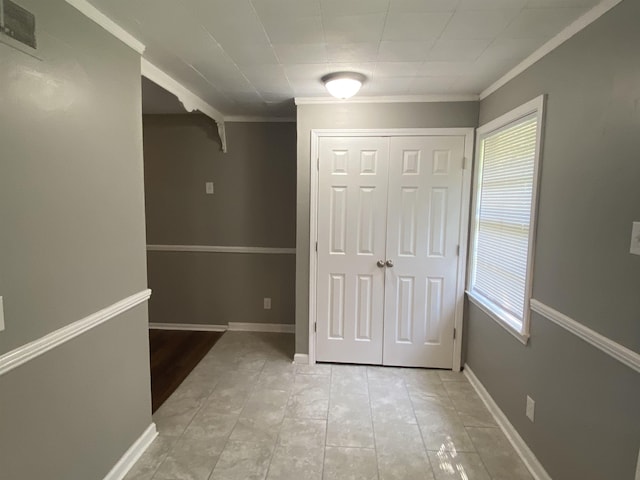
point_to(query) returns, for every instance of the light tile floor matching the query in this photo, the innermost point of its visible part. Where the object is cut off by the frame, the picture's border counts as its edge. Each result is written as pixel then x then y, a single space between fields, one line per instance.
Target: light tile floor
pixel 247 413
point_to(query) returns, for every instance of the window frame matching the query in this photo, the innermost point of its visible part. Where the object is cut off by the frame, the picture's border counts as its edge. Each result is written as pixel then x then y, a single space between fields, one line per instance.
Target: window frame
pixel 519 330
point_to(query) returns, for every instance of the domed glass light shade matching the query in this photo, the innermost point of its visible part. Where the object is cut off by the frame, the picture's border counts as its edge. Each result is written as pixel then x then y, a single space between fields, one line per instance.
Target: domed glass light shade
pixel 343 85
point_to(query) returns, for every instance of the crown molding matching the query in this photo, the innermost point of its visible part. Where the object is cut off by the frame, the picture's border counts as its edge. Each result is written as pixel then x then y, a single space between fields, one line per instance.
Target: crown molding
pixel 388 99
pixel 91 12
pixel 569 31
pixel 243 118
pixel 189 99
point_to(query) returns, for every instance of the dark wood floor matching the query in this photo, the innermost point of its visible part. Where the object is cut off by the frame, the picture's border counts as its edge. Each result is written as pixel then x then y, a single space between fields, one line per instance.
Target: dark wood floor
pixel 173 355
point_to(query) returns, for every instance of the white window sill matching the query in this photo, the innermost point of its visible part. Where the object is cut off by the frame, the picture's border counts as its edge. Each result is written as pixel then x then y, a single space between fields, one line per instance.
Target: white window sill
pixel 13 43
pixel 489 309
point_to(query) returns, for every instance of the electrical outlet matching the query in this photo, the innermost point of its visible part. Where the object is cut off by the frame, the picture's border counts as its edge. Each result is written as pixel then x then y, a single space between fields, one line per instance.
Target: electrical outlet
pixel 1 315
pixel 531 408
pixel 209 188
pixel 635 239
pixel 267 303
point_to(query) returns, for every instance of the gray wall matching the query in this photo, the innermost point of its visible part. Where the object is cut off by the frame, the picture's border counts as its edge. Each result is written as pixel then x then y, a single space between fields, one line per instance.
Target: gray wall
pixel 587 419
pixel 253 205
pixel 383 115
pixel 71 243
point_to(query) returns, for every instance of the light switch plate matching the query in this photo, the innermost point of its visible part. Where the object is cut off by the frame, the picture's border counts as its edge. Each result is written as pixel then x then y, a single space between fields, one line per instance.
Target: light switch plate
pixel 267 303
pixel 1 315
pixel 209 188
pixel 635 239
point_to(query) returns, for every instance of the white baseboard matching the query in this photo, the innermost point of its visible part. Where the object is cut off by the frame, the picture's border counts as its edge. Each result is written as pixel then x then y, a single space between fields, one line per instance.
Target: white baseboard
pixel 301 359
pixel 527 456
pixel 194 327
pixel 232 327
pixel 132 455
pixel 261 327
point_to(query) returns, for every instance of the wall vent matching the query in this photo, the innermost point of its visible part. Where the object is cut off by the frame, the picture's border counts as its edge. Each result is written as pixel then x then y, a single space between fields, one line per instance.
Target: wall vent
pixel 17 23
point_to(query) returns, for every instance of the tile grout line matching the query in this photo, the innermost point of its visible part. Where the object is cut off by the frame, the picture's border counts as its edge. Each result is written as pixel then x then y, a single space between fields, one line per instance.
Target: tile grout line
pixel 326 430
pixel 251 391
pixel 181 436
pixel 373 431
pixel 466 429
pixel 477 452
pixel 284 415
pixel 424 445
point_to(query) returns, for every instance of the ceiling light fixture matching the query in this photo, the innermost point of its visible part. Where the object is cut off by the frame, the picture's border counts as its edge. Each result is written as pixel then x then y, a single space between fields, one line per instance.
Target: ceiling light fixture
pixel 343 85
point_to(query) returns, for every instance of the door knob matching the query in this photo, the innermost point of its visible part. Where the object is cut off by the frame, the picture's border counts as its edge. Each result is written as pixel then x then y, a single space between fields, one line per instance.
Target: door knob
pixel 380 263
pixel 389 263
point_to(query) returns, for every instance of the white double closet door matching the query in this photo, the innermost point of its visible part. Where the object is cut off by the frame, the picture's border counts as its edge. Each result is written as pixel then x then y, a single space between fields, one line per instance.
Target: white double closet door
pixel 387 255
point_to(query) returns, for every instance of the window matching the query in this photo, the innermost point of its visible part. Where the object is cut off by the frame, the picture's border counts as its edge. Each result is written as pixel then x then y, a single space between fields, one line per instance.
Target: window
pixel 501 260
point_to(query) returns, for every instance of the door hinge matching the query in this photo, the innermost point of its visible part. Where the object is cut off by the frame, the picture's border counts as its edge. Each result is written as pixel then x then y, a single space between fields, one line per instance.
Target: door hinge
pixel 454 333
pixel 316 246
pixel 315 327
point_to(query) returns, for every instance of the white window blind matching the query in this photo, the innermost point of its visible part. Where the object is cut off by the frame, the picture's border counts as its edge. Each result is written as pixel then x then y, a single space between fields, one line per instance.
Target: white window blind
pixel 503 219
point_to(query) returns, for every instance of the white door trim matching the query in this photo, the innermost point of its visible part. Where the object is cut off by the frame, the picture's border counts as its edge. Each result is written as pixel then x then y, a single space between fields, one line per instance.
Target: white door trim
pixel 316 134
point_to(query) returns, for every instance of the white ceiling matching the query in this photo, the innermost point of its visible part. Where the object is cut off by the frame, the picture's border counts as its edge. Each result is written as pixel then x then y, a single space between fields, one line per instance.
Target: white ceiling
pixel 251 57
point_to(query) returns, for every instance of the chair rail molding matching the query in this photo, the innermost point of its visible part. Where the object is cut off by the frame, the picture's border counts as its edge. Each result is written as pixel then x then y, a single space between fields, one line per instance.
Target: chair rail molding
pixel 621 353
pixel 42 345
pixel 565 34
pixel 220 249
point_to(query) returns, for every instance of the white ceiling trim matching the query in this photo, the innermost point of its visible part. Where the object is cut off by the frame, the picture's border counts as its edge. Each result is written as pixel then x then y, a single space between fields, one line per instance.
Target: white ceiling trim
pixel 576 26
pixel 189 99
pixel 109 25
pixel 387 99
pixel 242 118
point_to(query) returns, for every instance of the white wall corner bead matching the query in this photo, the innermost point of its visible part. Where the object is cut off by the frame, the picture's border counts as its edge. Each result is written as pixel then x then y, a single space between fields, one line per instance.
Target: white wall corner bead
pixel 91 12
pixel 132 455
pixel 31 350
pixel 529 459
pixel 621 353
pixel 189 99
